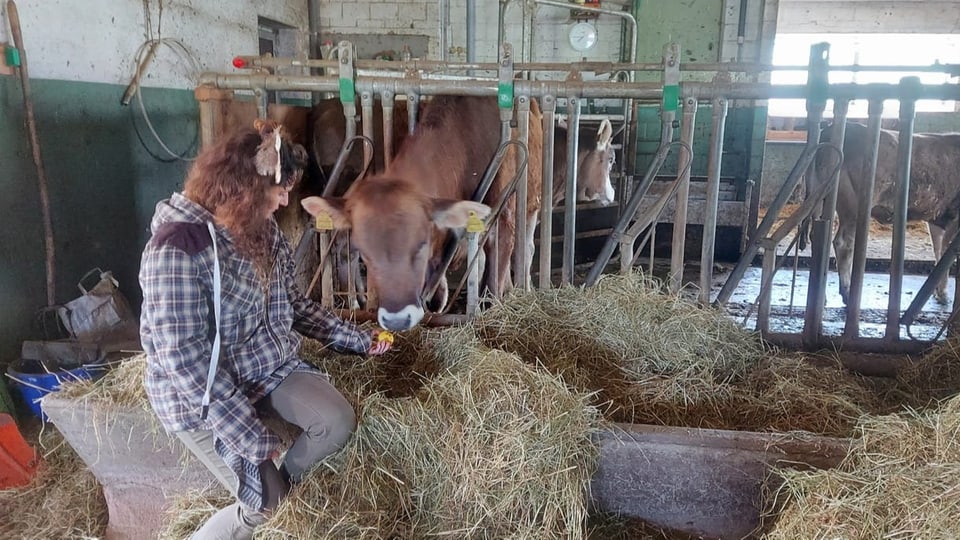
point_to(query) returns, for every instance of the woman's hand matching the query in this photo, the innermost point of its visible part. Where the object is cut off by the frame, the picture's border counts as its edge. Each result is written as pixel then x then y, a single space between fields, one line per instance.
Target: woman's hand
pixel 382 342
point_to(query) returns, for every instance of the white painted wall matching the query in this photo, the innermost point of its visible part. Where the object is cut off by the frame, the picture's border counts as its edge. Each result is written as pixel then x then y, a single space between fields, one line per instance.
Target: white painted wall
pixel 97 40
pixel 422 17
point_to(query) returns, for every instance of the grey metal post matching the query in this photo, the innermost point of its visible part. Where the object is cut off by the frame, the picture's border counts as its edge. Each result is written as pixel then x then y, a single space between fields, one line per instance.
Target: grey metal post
pixel 548 105
pixel 521 252
pixel 366 110
pixel 817 84
pixel 864 203
pixel 909 90
pixel 570 196
pixel 386 102
pixel 719 114
pixel 683 194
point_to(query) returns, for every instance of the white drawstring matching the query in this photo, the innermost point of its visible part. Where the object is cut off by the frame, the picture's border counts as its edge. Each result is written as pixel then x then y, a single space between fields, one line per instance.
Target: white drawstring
pixel 215 353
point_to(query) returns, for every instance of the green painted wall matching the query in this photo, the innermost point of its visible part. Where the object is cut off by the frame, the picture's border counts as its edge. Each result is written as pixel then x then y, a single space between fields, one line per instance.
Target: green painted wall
pixel 103 184
pixel 695 24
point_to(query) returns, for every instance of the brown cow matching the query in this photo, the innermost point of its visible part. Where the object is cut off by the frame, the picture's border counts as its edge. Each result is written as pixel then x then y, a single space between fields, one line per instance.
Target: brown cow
pixel 397 217
pixel 934 190
pixel 327 133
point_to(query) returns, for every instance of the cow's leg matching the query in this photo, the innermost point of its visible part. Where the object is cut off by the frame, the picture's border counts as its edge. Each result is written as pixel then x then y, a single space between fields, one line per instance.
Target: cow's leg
pixel 843 249
pixel 505 242
pixel 359 300
pixel 938 236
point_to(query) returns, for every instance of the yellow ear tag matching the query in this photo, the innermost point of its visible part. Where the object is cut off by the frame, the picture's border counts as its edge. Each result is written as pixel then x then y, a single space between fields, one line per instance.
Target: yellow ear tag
pixel 474 223
pixel 324 222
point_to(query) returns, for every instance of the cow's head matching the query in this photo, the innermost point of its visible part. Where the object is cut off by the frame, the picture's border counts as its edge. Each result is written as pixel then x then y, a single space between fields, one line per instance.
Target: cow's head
pixel 594 166
pixel 396 230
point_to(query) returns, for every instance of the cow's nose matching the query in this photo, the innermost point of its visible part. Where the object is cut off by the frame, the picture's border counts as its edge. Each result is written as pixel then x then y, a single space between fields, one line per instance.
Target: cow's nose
pixel 405 319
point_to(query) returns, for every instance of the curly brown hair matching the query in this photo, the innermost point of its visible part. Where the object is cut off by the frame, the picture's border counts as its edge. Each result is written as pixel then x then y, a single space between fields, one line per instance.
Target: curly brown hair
pixel 225 181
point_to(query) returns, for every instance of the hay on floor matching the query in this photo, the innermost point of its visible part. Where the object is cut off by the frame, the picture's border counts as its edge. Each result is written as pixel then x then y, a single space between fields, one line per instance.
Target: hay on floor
pixel 63 500
pixel 899 481
pixel 491 448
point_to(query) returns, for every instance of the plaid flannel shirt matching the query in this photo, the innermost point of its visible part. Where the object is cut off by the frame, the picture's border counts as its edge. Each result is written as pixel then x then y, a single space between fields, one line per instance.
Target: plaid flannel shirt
pixel 259 328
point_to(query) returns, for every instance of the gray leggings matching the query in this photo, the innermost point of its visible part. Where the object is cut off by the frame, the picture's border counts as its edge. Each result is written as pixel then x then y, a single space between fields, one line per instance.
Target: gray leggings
pixel 304 398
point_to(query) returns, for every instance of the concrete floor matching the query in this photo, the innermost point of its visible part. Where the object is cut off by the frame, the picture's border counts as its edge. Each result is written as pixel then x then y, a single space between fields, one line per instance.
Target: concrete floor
pixel 789 296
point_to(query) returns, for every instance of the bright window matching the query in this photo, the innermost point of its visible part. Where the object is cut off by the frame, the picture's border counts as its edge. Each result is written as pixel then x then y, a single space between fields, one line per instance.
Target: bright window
pixel 865 50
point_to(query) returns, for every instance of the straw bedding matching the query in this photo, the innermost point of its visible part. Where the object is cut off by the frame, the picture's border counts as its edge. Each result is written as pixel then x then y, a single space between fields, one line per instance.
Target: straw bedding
pixel 483 431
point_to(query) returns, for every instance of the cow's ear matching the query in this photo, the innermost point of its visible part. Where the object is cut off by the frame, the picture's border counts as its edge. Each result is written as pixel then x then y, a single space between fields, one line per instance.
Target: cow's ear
pixel 604 135
pixel 450 214
pixel 331 206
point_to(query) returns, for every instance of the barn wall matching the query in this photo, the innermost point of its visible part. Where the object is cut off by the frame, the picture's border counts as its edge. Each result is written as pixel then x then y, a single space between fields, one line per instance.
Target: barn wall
pixel 856 16
pixel 104 183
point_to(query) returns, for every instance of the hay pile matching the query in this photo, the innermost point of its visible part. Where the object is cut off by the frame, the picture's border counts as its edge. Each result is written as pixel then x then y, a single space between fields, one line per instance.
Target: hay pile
pixel 656 358
pixel 901 480
pixel 63 500
pixel 121 386
pixel 490 448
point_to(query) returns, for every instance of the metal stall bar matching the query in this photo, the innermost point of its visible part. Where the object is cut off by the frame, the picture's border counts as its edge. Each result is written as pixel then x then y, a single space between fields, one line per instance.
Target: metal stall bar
pixel 908 103
pixel 570 197
pixel 386 102
pixel 851 328
pixel 521 252
pixel 719 114
pixel 548 106
pixel 678 246
pixel 820 226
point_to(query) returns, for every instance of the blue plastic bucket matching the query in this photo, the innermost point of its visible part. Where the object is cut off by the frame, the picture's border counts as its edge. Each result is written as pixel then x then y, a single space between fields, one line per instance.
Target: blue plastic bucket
pixel 33 382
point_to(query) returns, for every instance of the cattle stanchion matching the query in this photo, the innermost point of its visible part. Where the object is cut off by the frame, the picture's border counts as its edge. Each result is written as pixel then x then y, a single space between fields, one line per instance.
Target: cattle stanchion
pixel 548 106
pixel 852 326
pixel 719 114
pixel 909 92
pixel 678 245
pixel 417 79
pixel 817 84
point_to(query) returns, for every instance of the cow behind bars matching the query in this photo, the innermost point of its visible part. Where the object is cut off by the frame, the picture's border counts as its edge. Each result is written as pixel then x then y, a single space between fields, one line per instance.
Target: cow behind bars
pixel 934 190
pixel 594 162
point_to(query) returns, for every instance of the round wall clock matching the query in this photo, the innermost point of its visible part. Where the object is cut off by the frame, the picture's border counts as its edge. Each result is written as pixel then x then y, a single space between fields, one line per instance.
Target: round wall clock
pixel 582 36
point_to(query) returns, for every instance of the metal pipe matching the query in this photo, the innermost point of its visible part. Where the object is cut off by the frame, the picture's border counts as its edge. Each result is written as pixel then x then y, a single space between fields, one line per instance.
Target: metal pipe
pixel 715 160
pixel 271 62
pixel 678 246
pixel 443 8
pixel 386 103
pixel 820 228
pixel 908 104
pixel 366 123
pixel 584 89
pixel 864 203
pixel 471 30
pixel 548 106
pixel 570 195
pixel 521 255
pixel 817 290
